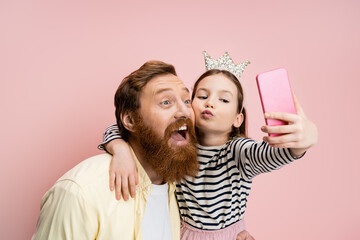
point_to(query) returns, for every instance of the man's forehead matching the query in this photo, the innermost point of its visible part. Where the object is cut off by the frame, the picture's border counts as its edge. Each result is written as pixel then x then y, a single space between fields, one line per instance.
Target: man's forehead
pixel 165 83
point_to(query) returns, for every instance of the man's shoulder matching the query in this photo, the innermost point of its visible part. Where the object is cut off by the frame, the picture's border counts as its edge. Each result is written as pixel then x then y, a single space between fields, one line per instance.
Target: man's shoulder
pixel 89 170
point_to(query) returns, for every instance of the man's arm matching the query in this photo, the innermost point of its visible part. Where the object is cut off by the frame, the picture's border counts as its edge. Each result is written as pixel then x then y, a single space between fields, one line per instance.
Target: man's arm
pixel 65 214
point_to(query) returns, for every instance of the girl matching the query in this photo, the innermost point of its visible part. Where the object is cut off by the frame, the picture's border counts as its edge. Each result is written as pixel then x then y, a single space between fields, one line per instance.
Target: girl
pixel 212 204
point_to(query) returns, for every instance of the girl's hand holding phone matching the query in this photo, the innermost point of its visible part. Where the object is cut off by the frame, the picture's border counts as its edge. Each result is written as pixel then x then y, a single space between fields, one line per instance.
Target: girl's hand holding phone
pixel 299 135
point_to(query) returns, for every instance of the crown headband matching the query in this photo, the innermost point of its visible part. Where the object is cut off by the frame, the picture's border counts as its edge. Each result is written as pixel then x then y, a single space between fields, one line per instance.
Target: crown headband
pixel 225 63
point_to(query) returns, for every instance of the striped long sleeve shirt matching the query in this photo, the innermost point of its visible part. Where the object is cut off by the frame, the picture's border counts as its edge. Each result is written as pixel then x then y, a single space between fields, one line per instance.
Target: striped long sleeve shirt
pixel 217 196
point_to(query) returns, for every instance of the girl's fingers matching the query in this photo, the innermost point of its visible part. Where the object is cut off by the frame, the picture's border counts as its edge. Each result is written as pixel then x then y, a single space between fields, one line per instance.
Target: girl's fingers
pixel 279 129
pixel 125 188
pixel 286 117
pixel 136 178
pixel 112 180
pixel 244 235
pixel 283 139
pixel 299 109
pixel 284 145
pixel 132 186
pixel 118 187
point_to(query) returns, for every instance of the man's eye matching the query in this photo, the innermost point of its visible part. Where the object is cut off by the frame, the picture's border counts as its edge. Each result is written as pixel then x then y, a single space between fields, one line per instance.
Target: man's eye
pixel 224 100
pixel 188 101
pixel 166 102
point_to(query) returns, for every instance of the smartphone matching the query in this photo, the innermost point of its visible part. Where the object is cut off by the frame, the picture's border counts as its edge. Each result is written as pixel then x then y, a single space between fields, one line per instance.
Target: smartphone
pixel 275 94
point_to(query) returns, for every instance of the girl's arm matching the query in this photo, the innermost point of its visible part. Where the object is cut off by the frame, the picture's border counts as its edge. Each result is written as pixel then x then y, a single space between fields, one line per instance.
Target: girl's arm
pixel 253 158
pixel 111 133
pixel 123 171
pixel 298 136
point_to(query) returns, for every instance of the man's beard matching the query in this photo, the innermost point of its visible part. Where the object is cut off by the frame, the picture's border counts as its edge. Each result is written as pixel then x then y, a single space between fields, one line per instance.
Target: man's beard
pixel 172 163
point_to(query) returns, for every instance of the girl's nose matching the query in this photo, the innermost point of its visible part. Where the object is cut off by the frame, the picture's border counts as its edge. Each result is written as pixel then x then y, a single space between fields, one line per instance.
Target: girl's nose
pixel 209 104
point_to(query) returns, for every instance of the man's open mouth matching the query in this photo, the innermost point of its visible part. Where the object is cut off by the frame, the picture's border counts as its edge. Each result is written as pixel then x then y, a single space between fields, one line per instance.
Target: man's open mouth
pixel 182 131
pixel 180 136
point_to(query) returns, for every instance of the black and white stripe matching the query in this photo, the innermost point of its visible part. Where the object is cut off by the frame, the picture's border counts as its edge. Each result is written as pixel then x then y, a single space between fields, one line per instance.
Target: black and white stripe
pixel 217 196
pixel 111 133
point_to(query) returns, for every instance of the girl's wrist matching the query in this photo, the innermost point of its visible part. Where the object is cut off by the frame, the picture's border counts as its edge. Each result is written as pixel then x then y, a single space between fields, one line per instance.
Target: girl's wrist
pixel 297 153
pixel 116 146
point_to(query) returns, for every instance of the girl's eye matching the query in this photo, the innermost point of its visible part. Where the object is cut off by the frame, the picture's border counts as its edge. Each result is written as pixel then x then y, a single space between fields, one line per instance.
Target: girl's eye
pixel 188 101
pixel 224 100
pixel 202 97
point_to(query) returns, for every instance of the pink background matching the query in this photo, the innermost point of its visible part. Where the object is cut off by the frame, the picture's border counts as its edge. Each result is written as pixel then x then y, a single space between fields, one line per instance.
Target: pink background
pixel 61 62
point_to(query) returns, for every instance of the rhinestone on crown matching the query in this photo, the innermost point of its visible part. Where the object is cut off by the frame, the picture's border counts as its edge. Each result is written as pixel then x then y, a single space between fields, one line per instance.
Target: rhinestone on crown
pixel 225 63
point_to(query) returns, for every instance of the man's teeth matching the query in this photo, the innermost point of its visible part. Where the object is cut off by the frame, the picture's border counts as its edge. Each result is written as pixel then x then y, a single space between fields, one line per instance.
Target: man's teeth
pixel 183 128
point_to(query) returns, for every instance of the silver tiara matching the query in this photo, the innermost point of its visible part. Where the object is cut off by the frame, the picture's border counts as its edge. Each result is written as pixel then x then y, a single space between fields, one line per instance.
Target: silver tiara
pixel 225 63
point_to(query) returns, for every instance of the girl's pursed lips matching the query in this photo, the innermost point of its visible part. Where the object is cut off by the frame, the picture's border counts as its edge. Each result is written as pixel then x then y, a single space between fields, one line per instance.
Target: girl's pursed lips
pixel 207 114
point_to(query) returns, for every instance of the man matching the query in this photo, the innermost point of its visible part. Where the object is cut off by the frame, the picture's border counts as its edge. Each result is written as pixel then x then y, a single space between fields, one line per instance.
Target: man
pixel 154 115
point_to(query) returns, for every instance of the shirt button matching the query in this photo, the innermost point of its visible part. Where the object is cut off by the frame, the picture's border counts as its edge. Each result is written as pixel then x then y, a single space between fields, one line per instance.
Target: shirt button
pixel 148 188
pixel 139 212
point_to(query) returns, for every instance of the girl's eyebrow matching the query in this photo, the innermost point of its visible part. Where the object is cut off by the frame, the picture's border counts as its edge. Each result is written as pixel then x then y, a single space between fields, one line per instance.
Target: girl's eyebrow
pixel 221 91
pixel 226 91
pixel 203 89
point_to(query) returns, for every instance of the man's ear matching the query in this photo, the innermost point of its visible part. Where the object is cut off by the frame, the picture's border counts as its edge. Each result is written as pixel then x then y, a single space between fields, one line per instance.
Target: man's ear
pixel 238 120
pixel 128 121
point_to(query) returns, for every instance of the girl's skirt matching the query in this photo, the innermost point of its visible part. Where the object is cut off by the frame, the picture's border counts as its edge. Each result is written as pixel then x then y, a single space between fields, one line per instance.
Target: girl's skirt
pixel 229 233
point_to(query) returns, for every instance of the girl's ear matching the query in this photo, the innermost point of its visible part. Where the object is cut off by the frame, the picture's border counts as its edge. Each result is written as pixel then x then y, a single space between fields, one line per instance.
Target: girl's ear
pixel 238 120
pixel 128 121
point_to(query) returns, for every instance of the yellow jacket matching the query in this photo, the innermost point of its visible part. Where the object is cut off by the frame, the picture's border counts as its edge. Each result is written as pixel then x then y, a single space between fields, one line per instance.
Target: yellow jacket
pixel 81 206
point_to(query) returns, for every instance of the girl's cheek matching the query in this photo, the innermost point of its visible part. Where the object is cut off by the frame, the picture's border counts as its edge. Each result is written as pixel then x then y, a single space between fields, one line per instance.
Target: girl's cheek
pixel 193 103
pixel 195 106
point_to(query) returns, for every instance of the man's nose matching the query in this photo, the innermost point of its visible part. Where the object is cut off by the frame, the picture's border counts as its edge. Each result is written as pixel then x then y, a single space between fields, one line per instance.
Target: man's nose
pixel 183 110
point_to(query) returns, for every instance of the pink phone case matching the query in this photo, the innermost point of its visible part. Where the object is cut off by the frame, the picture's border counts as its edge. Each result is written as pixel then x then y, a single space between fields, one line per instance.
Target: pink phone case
pixel 275 94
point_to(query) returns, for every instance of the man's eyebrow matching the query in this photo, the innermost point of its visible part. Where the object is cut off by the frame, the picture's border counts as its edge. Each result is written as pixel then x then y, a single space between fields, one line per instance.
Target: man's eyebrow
pixel 186 89
pixel 170 89
pixel 162 90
